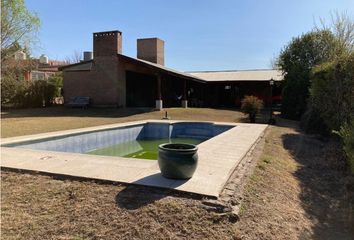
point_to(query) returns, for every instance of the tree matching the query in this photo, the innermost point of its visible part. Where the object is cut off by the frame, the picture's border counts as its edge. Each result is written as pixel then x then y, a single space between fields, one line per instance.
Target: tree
pixel 296 61
pixel 19 27
pixel 332 85
pixel 74 58
pixel 332 82
pixel 342 27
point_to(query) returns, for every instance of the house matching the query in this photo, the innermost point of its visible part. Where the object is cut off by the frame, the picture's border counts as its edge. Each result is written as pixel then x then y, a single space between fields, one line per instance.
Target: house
pixel 36 69
pixel 43 70
pixel 114 79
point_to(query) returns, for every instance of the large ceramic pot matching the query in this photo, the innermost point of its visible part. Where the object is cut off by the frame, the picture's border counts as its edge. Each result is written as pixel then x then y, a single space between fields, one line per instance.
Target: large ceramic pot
pixel 177 160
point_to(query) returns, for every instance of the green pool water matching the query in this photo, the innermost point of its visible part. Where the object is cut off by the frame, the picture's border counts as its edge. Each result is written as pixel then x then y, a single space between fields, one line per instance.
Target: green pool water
pixel 146 149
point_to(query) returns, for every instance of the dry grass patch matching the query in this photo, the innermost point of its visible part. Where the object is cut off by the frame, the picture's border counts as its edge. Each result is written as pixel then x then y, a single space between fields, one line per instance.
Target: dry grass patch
pixel 40 207
pixel 31 121
pixel 297 190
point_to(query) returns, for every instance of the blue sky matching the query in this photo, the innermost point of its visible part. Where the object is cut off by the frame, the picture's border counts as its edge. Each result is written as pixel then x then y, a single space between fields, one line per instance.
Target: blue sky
pixel 198 34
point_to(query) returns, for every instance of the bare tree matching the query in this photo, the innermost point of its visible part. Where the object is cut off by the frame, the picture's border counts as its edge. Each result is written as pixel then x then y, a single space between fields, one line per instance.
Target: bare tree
pixel 76 57
pixel 342 26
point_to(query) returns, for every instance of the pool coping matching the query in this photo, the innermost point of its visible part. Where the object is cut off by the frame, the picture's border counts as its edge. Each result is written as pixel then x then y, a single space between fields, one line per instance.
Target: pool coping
pixel 218 157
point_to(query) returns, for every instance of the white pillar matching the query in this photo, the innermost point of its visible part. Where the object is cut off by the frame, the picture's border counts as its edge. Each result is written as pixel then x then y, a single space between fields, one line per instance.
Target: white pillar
pixel 159 104
pixel 184 103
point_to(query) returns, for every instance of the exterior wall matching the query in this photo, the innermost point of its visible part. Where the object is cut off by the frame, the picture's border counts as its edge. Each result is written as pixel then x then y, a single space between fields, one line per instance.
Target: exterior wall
pixel 39 75
pixel 102 83
pixel 121 83
pixel 105 83
pixel 152 50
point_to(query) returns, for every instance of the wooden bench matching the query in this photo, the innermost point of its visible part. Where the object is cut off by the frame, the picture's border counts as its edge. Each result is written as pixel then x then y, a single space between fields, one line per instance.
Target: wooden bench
pixel 83 102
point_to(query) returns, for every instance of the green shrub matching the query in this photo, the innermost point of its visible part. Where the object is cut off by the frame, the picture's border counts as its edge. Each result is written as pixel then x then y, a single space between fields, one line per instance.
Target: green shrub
pixel 251 105
pixel 332 91
pixel 41 93
pixel 347 134
pixel 20 93
pixel 57 81
pixel 312 122
pixel 9 87
pixel 296 61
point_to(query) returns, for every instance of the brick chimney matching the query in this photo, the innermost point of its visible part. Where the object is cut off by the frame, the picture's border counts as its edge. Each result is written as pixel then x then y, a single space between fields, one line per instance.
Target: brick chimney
pixel 152 50
pixel 107 43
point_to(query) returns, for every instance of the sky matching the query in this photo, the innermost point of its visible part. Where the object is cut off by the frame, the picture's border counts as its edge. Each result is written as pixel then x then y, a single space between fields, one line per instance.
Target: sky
pixel 199 35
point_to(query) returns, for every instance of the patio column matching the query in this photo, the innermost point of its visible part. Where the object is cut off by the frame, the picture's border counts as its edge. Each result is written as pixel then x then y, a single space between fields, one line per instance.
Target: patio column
pixel 184 97
pixel 158 101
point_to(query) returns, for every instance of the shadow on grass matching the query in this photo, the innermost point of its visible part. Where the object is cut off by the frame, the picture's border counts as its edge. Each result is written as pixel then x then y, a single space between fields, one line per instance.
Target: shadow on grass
pixel 322 176
pixel 137 196
pixel 61 111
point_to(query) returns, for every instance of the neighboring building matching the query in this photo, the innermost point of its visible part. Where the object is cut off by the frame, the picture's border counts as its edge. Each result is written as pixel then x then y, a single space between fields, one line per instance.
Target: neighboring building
pixel 113 79
pixel 43 69
pixel 36 69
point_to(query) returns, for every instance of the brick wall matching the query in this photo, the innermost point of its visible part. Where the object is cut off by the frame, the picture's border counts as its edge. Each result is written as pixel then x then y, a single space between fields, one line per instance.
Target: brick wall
pixel 107 43
pixel 102 83
pixel 151 49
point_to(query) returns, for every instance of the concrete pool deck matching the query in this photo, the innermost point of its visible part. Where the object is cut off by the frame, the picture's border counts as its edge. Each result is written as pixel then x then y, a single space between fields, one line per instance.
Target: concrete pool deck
pixel 218 157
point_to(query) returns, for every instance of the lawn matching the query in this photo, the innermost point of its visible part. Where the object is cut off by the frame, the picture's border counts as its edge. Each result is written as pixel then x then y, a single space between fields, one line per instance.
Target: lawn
pixel 38 120
pixel 297 190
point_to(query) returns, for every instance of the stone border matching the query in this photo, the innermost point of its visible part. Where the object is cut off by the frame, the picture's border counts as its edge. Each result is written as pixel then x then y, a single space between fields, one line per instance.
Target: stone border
pixel 218 158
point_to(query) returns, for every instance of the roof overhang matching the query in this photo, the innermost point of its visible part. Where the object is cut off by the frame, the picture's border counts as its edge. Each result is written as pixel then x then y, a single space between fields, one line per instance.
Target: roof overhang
pixel 81 66
pixel 259 75
pixel 162 69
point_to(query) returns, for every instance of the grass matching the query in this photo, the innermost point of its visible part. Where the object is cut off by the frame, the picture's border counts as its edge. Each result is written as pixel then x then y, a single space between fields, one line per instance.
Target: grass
pixel 41 208
pixel 31 121
pixel 296 192
pixel 298 189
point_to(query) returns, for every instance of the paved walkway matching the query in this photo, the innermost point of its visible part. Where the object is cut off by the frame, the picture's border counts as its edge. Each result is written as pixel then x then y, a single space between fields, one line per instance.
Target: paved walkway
pixel 218 157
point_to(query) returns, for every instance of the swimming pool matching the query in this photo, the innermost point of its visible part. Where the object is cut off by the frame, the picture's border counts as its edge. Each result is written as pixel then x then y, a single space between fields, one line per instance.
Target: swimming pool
pixel 137 141
pixel 63 153
pixel 143 148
